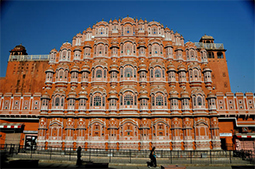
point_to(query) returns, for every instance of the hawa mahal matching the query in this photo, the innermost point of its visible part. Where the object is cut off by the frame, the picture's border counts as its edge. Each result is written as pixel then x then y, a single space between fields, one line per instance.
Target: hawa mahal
pixel 125 84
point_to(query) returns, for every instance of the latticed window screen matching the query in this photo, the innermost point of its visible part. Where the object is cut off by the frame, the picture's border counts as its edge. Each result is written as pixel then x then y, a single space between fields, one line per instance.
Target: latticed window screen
pixel 199 101
pixel 99 73
pixel 97 101
pixel 157 73
pixel 57 101
pixel 128 100
pixel 128 72
pixel 159 101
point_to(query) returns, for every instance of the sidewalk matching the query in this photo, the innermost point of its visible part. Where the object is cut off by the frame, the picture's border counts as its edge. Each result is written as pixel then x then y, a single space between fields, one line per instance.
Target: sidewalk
pixel 72 164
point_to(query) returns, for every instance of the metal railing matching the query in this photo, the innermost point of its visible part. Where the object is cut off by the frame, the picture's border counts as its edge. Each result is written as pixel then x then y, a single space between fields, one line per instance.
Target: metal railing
pixel 130 156
pixel 29 58
pixel 209 45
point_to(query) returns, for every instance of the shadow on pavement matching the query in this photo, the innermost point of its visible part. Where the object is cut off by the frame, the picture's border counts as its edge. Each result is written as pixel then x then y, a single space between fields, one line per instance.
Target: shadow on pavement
pixel 90 164
pixel 35 164
pixel 243 167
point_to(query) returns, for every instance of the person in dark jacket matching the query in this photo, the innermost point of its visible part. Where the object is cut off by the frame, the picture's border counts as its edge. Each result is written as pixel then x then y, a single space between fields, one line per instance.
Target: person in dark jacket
pixel 79 162
pixel 153 158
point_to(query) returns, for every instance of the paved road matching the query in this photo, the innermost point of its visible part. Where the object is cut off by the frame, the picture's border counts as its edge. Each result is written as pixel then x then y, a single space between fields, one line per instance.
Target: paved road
pixel 56 164
pixel 127 166
pixel 134 166
pixel 124 163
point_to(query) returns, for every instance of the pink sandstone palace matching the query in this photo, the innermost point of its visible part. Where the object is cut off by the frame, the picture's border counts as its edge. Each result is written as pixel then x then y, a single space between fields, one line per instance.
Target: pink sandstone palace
pixel 125 84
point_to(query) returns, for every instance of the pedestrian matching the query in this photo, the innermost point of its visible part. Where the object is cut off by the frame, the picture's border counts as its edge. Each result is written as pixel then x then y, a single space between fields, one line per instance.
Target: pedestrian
pixel 153 158
pixel 79 162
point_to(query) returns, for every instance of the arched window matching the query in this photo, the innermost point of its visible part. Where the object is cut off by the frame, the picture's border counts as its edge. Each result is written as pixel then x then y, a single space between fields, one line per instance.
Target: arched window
pixel 57 101
pixel 195 73
pixel 104 73
pixel 93 73
pixel 62 102
pixel 60 74
pixel 90 100
pixel 155 50
pixel 151 73
pixel 101 31
pixel 154 31
pixel 192 54
pixel 128 72
pixel 159 101
pixel 157 73
pixel 211 55
pixel 121 72
pixel 199 101
pixel 128 49
pixel 103 101
pixel 219 55
pixel 97 101
pixel 100 50
pixel 194 101
pixel 99 73
pixel 127 30
pixel 128 99
pixel 82 102
pixel 64 54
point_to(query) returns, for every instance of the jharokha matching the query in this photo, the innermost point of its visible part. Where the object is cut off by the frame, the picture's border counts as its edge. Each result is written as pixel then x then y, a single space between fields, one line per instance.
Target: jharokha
pixel 125 84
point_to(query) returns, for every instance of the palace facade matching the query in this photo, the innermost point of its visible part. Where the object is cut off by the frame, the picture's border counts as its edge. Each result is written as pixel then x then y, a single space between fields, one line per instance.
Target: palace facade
pixel 125 84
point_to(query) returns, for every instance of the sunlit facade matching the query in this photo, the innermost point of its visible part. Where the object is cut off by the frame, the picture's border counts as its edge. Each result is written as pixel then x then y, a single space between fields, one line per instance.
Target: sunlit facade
pixel 129 84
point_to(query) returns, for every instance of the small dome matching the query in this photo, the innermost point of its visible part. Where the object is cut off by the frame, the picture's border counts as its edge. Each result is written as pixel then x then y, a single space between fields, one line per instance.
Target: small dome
pixel 45 96
pixel 79 34
pixel 89 29
pixel 83 94
pixel 141 44
pixel 53 50
pixel 115 21
pixel 113 94
pixel 211 95
pixel 72 94
pixel 206 69
pixel 114 44
pixel 184 94
pixel 142 67
pixel 207 37
pixel 167 29
pixel 173 93
pixel 177 34
pixel 170 67
pixel 143 95
pixel 113 68
pixel 50 69
pixel 168 44
pixel 75 68
pixel 87 46
pixel 181 67
pixel 85 68
pixel 77 49
pixel 128 19
pixel 66 45
pixel 19 50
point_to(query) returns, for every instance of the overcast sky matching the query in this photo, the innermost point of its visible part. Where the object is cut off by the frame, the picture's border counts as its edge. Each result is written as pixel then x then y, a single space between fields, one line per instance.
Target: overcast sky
pixel 42 25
